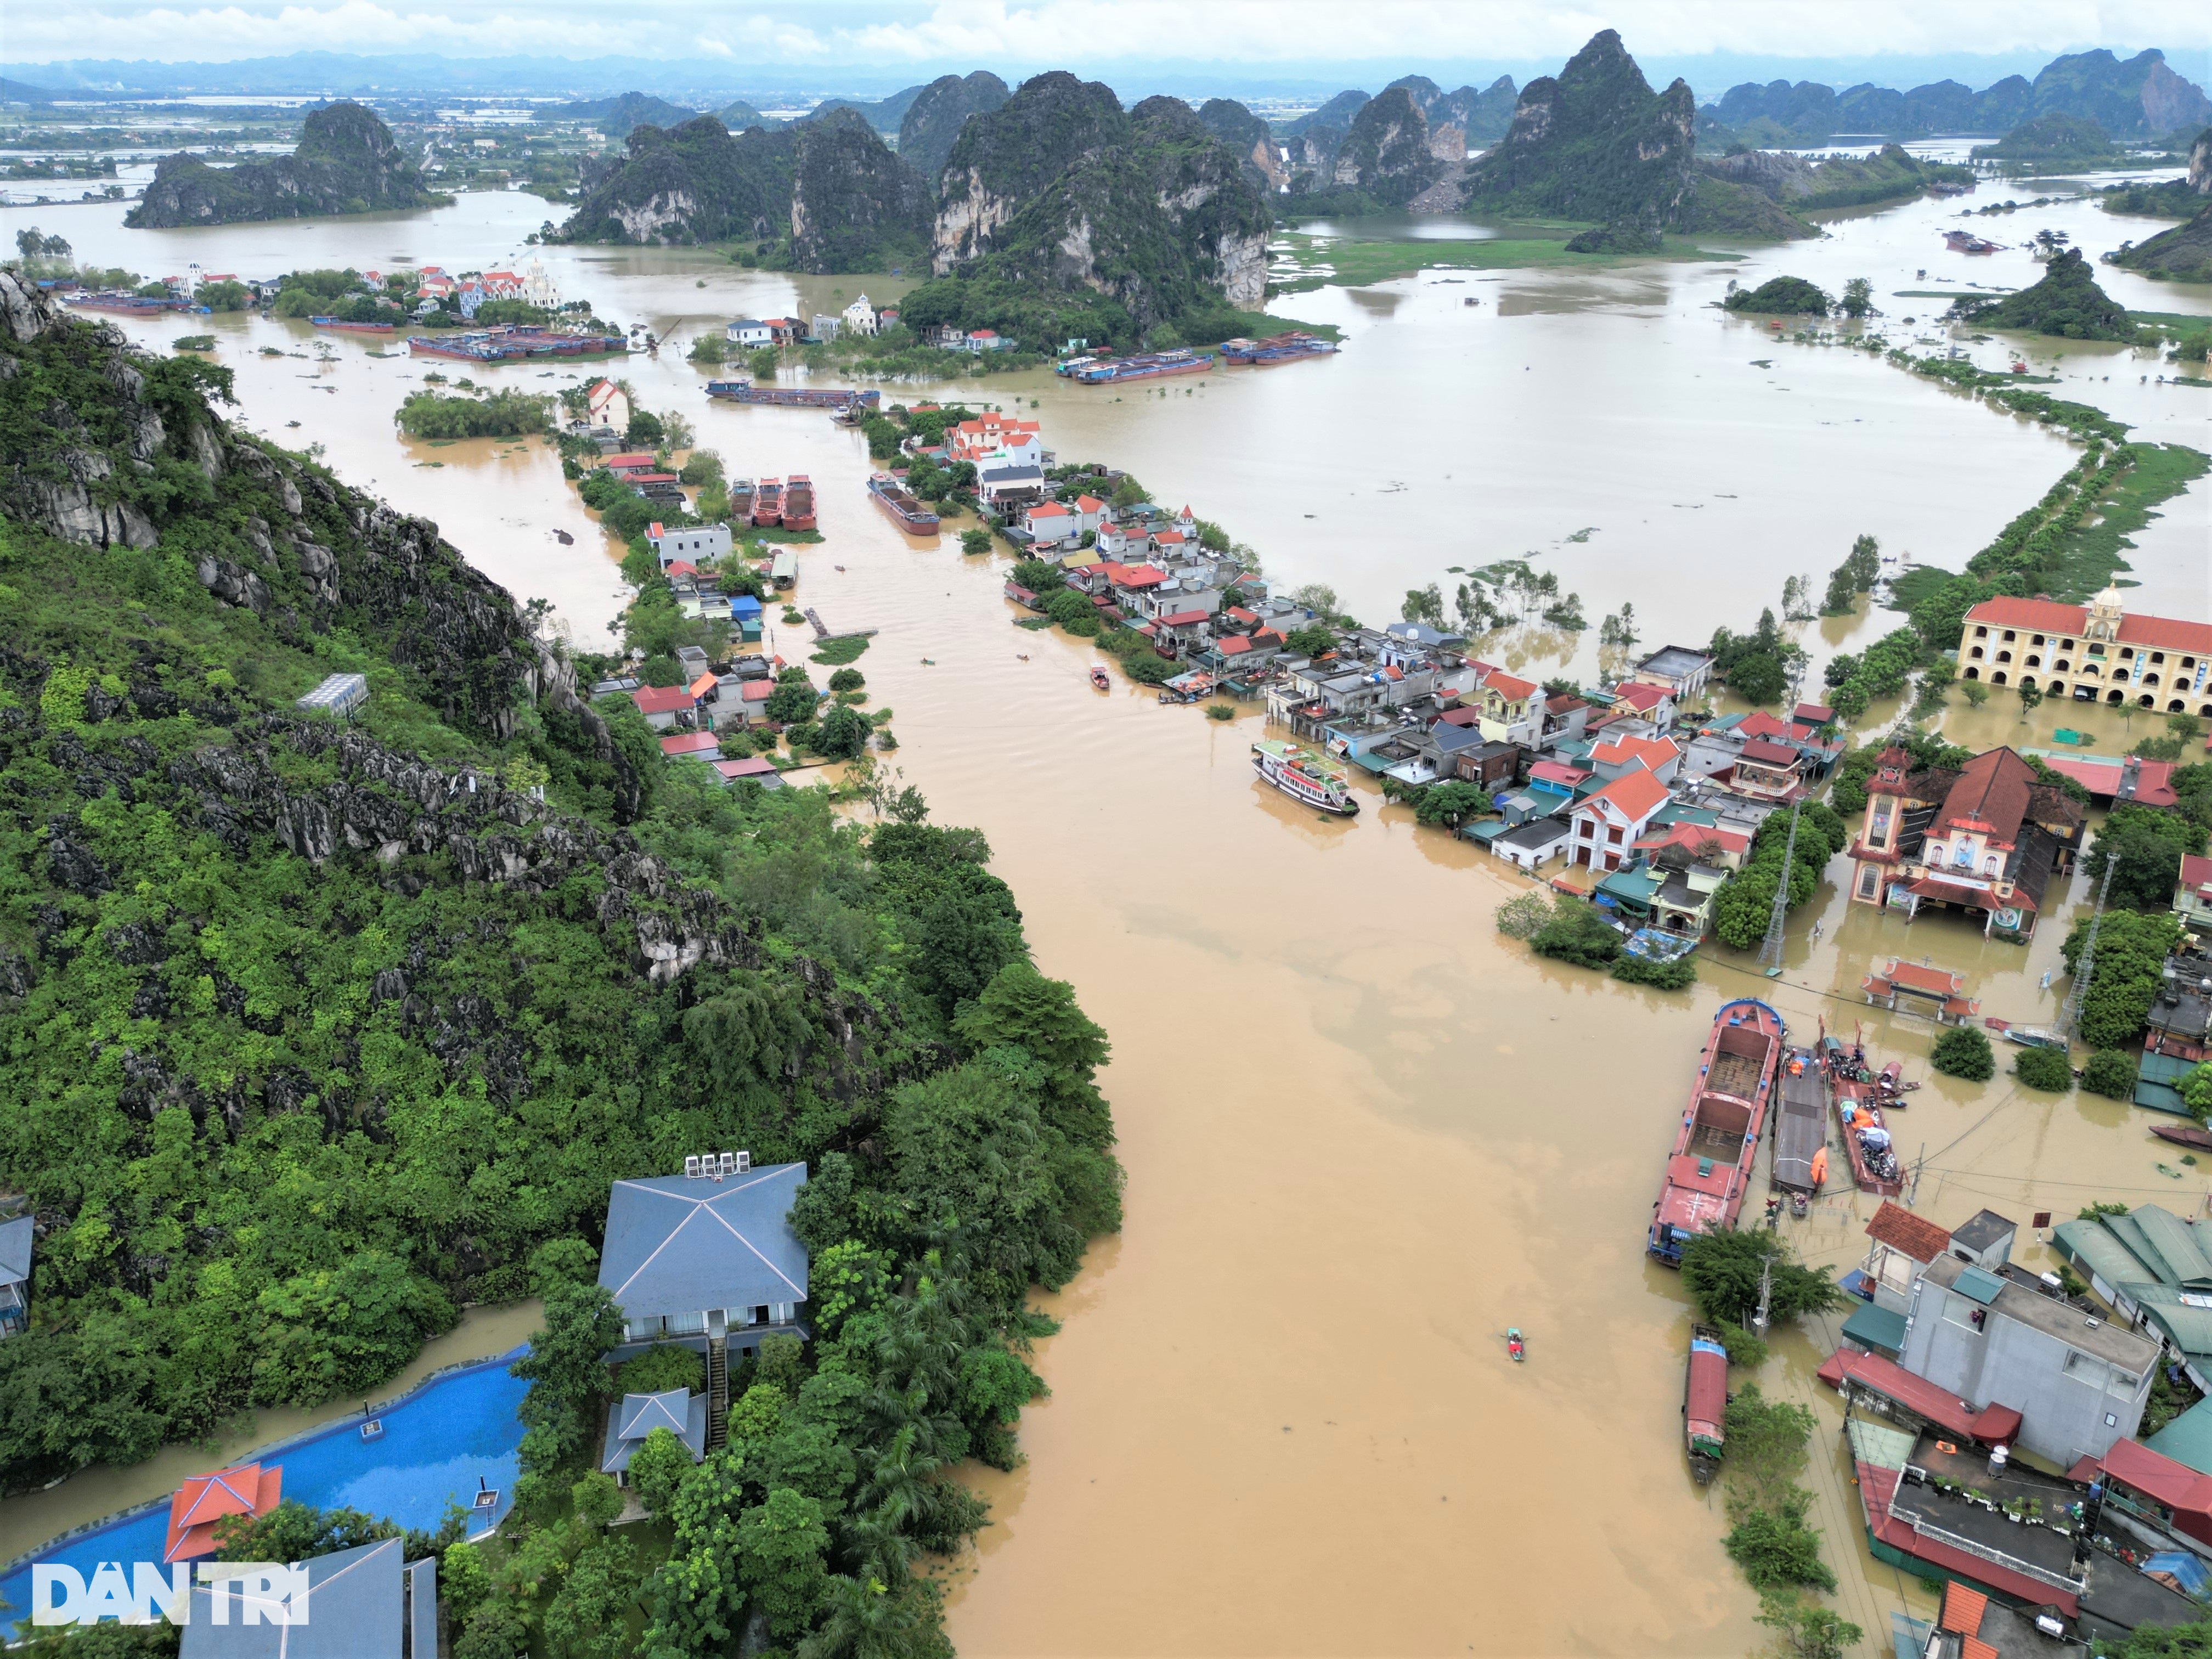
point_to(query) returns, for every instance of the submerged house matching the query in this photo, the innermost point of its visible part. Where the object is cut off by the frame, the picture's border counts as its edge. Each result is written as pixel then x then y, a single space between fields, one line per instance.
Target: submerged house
pixel 1985 839
pixel 2154 1271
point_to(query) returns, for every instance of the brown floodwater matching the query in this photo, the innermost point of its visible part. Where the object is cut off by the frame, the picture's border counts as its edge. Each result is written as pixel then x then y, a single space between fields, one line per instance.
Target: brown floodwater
pixel 1363 1134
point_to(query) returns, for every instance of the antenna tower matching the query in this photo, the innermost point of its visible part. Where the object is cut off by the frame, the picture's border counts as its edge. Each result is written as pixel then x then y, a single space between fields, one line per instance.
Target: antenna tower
pixel 1770 951
pixel 2085 965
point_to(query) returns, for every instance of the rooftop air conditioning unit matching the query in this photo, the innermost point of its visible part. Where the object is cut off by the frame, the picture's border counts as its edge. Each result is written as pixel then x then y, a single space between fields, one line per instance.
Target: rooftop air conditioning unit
pixel 691 1167
pixel 2093 1321
pixel 727 1165
pixel 744 1161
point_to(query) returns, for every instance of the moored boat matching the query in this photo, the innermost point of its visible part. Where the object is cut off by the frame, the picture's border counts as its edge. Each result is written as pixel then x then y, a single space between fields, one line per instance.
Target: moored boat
pixel 741 500
pixel 337 326
pixel 799 502
pixel 909 515
pixel 793 396
pixel 768 501
pixel 1717 1142
pixel 1145 367
pixel 1965 241
pixel 1288 348
pixel 1705 1401
pixel 1860 1098
pixel 1304 776
pixel 2184 1134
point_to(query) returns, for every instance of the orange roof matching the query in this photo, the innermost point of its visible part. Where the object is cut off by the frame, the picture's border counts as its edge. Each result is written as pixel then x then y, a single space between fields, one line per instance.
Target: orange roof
pixel 1694 835
pixel 1091 503
pixel 1638 694
pixel 689 743
pixel 1899 1227
pixel 1653 752
pixel 703 685
pixel 1635 794
pixel 1508 687
pixel 2047 615
pixel 2166 633
pixel 1048 510
pixel 248 1490
pixel 1963 1608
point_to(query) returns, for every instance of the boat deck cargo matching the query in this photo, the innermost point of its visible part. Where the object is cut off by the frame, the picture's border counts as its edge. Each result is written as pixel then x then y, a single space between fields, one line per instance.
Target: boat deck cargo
pixel 1717 1143
pixel 1860 1098
pixel 1801 1128
pixel 909 515
pixel 1277 349
pixel 785 397
pixel 1304 776
pixel 799 502
pixel 497 345
pixel 1147 366
pixel 1704 1401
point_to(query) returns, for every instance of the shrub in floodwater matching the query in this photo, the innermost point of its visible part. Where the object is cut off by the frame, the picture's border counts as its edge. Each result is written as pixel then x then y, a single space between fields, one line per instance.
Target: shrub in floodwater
pixel 1675 975
pixel 1809 1630
pixel 1221 711
pixel 1743 1348
pixel 1776 1550
pixel 848 679
pixel 1578 934
pixel 2110 1073
pixel 1523 917
pixel 1963 1052
pixel 1721 1271
pixel 2044 1069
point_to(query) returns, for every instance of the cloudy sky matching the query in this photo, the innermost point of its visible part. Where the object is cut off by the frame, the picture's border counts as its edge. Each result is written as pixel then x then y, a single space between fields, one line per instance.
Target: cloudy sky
pixel 889 37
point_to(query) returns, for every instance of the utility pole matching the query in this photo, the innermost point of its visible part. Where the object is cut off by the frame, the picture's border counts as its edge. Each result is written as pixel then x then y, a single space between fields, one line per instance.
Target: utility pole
pixel 1770 951
pixel 1759 1321
pixel 2085 965
pixel 1913 1191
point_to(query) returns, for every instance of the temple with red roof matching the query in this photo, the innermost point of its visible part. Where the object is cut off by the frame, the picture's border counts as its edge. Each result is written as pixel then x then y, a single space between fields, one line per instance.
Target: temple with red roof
pixel 251 1490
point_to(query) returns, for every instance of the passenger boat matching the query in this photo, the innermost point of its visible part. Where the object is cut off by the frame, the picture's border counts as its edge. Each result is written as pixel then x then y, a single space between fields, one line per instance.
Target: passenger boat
pixel 1709 1169
pixel 2184 1134
pixel 1965 241
pixel 909 515
pixel 1289 347
pixel 799 502
pixel 336 325
pixel 741 500
pixel 1705 1401
pixel 1145 367
pixel 1304 776
pixel 1099 681
pixel 768 501
pixel 1068 367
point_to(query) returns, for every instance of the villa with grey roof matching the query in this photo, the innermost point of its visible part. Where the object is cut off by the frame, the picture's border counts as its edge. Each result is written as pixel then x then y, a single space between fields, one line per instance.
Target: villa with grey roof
pixel 679 1411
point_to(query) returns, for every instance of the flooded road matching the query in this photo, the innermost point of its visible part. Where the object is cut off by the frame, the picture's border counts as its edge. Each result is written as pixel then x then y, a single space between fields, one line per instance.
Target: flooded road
pixel 1363 1134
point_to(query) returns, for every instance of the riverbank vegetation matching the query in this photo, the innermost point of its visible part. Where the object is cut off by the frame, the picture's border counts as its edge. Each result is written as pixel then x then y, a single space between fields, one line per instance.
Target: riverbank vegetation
pixel 2067 302
pixel 1300 261
pixel 487 414
pixel 1782 296
pixel 281 1104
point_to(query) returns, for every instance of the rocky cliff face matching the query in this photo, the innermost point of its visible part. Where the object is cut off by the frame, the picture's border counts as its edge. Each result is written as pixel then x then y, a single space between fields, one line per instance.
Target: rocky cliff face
pixel 1248 135
pixel 347 162
pixel 854 203
pixel 1596 142
pixel 1060 188
pixel 931 123
pixel 1390 153
pixel 693 183
pixel 137 448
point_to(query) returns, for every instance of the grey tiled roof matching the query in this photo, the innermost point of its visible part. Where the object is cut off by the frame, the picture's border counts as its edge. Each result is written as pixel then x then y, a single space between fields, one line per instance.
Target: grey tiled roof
pixel 680 1245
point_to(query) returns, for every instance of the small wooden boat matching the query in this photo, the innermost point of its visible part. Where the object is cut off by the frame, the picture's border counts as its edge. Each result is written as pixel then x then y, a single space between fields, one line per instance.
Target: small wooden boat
pixel 1100 681
pixel 2184 1134
pixel 1514 1344
pixel 1705 1401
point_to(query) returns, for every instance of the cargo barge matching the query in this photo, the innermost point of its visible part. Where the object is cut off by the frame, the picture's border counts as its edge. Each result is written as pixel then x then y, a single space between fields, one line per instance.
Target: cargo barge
pixel 799 502
pixel 1290 348
pixel 127 305
pixel 1148 365
pixel 744 391
pixel 338 325
pixel 1705 1401
pixel 1715 1148
pixel 768 501
pixel 908 513
pixel 521 340
pixel 741 500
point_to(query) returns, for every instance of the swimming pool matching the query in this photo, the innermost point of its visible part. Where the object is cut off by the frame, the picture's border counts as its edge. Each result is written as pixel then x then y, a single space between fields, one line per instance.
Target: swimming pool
pixel 440 1441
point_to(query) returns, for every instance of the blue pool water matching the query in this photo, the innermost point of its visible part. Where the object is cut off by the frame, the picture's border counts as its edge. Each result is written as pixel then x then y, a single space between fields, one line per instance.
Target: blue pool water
pixel 439 1441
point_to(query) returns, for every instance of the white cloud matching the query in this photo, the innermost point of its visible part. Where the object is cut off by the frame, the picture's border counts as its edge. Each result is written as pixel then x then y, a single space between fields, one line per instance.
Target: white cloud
pixel 1083 34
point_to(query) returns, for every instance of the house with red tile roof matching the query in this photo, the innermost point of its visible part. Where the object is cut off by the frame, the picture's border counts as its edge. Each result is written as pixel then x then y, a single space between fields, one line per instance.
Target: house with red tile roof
pixel 1049 522
pixel 1768 771
pixel 2097 653
pixel 1902 1245
pixel 1660 757
pixel 250 1490
pixel 1683 844
pixel 1655 703
pixel 1914 987
pixel 692 746
pixel 666 707
pixel 1985 839
pixel 1512 708
pixel 2192 895
pixel 1608 821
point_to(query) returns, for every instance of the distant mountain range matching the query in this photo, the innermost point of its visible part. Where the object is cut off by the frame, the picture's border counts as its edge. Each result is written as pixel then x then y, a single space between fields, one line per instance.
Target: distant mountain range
pixel 2141 97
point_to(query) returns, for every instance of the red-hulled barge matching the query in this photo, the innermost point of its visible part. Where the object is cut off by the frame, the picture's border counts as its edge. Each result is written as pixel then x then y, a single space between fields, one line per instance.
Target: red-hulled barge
pixel 1709 1169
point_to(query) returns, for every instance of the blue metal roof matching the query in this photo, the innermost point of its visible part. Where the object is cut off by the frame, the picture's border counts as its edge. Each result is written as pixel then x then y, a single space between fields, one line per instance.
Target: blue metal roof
pixel 679 1244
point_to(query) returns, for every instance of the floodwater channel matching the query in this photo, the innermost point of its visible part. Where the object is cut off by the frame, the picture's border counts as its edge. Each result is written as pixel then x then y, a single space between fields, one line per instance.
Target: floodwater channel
pixel 1363 1134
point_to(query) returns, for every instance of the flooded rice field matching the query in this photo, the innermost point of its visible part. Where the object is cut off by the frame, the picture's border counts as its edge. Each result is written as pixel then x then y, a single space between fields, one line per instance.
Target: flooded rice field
pixel 1363 1134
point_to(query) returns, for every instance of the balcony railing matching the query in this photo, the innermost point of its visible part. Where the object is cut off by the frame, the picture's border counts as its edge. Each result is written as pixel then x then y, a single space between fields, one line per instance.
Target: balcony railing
pixel 1928 1528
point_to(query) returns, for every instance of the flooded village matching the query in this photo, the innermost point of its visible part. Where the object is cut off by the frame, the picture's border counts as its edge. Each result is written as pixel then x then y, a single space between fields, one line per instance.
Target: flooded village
pixel 1462 971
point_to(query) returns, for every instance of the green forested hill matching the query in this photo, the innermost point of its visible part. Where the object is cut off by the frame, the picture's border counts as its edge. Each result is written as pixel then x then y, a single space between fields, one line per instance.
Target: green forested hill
pixel 309 1035
pixel 347 161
